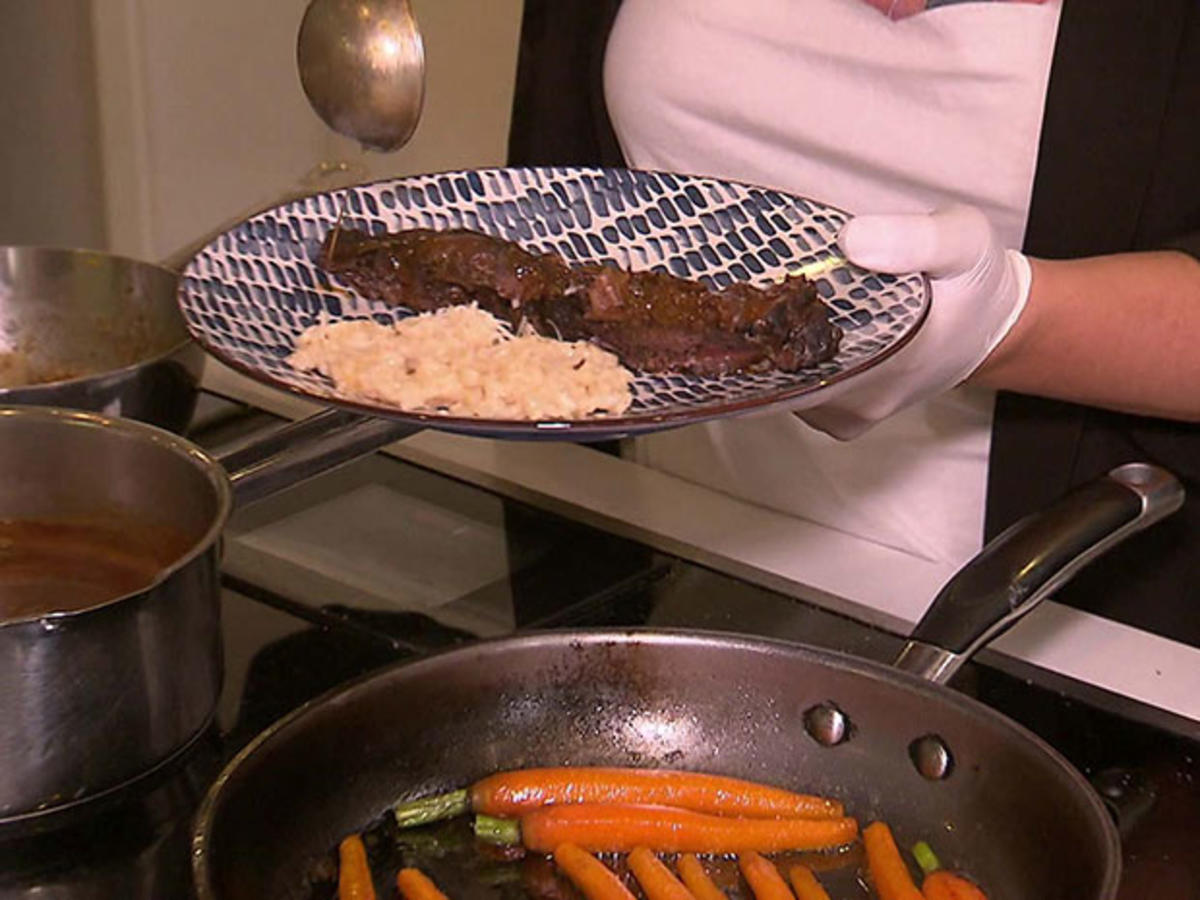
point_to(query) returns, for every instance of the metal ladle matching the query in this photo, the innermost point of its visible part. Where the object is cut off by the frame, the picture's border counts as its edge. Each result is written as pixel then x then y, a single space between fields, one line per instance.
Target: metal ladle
pixel 362 67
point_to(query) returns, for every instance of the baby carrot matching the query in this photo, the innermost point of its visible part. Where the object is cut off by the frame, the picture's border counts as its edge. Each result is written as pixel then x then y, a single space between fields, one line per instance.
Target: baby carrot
pixel 941 884
pixel 889 873
pixel 805 883
pixel 354 875
pixel 414 884
pixel 512 793
pixel 594 879
pixel 657 881
pixel 764 879
pixel 616 828
pixel 697 880
pixel 519 791
pixel 945 885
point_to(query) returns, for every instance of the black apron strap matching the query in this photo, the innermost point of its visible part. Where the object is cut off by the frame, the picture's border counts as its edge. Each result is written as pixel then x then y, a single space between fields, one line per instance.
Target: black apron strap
pixel 558 115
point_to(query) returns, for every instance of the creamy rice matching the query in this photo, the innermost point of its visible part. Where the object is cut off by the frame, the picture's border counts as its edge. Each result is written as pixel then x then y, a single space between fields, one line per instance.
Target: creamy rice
pixel 463 361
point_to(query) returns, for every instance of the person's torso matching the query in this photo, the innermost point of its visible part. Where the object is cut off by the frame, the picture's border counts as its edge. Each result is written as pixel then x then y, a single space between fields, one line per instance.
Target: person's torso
pixel 830 99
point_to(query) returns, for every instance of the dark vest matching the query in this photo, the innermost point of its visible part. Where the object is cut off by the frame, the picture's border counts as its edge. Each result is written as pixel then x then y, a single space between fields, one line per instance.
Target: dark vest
pixel 1118 169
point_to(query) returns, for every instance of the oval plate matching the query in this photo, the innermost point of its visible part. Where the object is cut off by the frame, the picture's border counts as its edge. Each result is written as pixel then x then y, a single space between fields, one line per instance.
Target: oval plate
pixel 250 292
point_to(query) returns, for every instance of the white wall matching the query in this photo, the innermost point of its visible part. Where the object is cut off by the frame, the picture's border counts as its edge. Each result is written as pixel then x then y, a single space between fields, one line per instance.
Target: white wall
pixel 197 114
pixel 50 175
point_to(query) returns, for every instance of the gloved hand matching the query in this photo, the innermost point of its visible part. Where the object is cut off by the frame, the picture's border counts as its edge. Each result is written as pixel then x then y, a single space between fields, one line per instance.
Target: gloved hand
pixel 979 291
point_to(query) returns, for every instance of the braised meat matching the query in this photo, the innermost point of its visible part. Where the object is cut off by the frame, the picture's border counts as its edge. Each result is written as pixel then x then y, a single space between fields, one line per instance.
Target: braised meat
pixel 652 321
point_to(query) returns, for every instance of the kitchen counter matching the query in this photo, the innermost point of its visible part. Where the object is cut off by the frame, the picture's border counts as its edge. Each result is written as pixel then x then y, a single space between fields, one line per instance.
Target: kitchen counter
pixel 309 602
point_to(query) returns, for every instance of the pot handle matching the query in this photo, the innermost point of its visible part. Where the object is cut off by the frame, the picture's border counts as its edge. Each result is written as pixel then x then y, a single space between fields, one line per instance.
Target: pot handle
pixel 1030 560
pixel 306 448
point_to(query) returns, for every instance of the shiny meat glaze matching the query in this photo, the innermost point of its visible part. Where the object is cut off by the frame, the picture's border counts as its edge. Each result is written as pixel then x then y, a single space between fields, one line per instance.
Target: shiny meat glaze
pixel 653 321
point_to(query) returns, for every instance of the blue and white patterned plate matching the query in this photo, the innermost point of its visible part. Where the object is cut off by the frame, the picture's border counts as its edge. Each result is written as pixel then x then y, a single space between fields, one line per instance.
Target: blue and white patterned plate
pixel 250 292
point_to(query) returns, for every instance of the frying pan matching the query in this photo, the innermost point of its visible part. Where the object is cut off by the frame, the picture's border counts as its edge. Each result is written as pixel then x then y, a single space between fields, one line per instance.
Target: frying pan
pixel 892 742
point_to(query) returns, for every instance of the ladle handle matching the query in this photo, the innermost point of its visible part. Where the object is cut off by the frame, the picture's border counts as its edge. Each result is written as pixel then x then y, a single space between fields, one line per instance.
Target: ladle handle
pixel 306 448
pixel 1032 559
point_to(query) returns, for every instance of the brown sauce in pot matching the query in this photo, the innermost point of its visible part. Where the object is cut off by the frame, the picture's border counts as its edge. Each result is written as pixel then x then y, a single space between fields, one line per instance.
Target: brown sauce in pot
pixel 49 565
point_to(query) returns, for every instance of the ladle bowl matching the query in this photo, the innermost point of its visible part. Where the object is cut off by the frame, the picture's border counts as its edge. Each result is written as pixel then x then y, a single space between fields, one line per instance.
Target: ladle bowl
pixel 362 67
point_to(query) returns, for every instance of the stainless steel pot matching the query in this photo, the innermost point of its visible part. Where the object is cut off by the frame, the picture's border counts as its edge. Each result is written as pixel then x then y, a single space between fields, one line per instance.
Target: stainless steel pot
pixel 97 695
pixel 94 331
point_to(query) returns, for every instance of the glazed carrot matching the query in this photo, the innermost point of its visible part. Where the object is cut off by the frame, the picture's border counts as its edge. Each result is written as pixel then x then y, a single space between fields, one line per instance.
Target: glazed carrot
pixel 946 885
pixel 594 879
pixel 805 884
pixel 764 879
pixel 657 881
pixel 697 880
pixel 940 884
pixel 512 793
pixel 414 884
pixel 889 873
pixel 616 828
pixel 354 875
pixel 522 790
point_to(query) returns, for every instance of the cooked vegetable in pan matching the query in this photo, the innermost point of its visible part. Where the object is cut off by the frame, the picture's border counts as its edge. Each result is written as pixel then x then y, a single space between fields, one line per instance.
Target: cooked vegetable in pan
pixel 764 879
pixel 698 881
pixel 571 833
pixel 619 828
pixel 594 879
pixel 889 872
pixel 942 884
pixel 656 880
pixel 354 875
pixel 805 883
pixel 516 792
pixel 414 884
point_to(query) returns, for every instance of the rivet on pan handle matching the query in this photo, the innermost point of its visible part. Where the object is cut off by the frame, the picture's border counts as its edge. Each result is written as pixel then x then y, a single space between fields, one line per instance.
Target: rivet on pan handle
pixel 1032 559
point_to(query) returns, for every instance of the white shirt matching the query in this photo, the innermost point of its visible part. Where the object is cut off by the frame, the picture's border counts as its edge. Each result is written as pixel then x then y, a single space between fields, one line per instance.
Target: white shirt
pixel 832 100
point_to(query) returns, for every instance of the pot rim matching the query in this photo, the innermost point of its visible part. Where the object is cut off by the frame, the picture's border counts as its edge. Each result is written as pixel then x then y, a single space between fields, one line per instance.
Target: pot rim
pixel 98 376
pixel 217 477
pixel 15 390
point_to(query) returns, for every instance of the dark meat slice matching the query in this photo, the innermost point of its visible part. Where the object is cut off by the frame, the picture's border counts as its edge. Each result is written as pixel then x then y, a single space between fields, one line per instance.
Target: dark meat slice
pixel 426 270
pixel 654 322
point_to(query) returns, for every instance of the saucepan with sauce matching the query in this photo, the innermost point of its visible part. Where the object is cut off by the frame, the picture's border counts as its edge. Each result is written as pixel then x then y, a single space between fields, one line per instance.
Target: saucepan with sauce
pixel 110 651
pixel 95 331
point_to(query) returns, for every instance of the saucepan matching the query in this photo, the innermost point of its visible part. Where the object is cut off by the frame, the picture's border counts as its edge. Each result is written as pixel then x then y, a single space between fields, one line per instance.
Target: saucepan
pixel 110 645
pixel 95 331
pixel 893 743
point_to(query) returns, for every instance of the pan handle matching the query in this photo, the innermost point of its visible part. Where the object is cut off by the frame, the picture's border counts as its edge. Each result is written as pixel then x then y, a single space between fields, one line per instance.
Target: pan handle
pixel 306 448
pixel 1030 560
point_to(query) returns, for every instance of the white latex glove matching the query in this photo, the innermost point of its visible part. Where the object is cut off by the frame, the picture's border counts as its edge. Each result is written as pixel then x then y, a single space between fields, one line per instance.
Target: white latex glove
pixel 979 290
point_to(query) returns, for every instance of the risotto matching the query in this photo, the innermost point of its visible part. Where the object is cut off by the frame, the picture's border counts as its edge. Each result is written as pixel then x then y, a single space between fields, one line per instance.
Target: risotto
pixel 463 361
